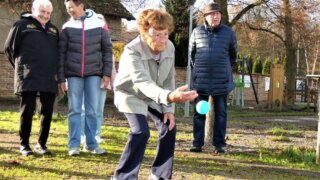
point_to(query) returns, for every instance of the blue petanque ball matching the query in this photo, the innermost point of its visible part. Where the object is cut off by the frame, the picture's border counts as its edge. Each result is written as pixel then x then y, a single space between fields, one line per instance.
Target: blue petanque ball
pixel 202 107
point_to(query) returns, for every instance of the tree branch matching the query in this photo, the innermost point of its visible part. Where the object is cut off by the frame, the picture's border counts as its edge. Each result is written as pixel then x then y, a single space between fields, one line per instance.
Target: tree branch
pixel 246 9
pixel 266 30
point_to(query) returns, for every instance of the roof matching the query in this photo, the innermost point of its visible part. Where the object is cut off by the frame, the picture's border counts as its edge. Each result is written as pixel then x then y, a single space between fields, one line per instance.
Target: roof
pixel 110 7
pixel 125 37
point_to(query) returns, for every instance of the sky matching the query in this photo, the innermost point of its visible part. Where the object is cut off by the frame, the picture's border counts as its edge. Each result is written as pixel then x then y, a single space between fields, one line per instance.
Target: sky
pixel 156 4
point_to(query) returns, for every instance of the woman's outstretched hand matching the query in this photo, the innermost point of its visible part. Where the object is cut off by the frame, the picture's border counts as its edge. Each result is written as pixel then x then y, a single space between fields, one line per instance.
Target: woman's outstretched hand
pixel 180 95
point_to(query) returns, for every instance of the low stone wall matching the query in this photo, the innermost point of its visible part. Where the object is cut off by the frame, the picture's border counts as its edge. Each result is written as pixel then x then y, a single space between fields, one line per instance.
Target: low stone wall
pixel 6 78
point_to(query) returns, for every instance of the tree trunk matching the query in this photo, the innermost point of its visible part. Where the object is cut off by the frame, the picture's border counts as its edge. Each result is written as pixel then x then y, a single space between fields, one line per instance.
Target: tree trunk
pixel 315 57
pixel 224 9
pixel 209 124
pixel 291 62
pixel 59 15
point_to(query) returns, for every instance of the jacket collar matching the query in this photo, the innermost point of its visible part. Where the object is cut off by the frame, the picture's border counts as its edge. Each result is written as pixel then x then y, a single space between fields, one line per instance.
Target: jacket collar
pixel 89 13
pixel 217 28
pixel 28 15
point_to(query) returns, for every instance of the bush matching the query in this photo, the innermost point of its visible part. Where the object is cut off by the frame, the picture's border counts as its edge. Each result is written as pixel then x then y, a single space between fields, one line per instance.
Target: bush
pixel 266 66
pixel 117 50
pixel 257 66
pixel 249 63
pixel 277 60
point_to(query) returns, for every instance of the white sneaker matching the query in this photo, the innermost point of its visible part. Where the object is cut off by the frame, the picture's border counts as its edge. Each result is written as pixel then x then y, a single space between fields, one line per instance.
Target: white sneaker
pixel 94 151
pixel 99 139
pixel 154 177
pixel 74 151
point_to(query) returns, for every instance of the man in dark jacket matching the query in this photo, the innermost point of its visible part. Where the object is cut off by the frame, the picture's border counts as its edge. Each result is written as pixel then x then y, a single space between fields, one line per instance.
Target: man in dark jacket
pixel 213 49
pixel 32 49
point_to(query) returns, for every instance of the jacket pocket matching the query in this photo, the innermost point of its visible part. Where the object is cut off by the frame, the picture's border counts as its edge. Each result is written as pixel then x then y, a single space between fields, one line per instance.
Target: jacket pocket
pixel 23 71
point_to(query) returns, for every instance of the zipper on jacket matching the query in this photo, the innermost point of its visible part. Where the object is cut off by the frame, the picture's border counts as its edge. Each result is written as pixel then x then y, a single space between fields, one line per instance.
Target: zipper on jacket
pixel 83 49
pixel 158 73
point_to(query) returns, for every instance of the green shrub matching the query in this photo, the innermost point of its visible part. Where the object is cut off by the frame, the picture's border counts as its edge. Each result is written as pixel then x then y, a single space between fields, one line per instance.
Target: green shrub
pixel 249 63
pixel 117 50
pixel 257 66
pixel 266 66
pixel 277 60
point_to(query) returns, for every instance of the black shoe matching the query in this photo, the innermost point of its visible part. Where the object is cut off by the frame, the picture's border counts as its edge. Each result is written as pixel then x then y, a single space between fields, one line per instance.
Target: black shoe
pixel 42 150
pixel 25 150
pixel 219 150
pixel 196 149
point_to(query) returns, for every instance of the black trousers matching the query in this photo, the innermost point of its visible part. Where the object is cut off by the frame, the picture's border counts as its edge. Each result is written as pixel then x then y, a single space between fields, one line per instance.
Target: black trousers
pixel 27 110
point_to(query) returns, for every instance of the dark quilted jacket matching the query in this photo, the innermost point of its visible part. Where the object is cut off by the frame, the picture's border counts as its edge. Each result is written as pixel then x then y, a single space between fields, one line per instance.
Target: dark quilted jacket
pixel 212 54
pixel 85 48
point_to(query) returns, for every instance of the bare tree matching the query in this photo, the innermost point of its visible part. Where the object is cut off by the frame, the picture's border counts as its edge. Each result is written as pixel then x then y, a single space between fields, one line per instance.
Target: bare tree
pixel 286 20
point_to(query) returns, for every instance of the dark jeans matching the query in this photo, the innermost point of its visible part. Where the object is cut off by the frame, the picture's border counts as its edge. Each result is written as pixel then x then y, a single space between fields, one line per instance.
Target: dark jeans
pixel 27 110
pixel 220 122
pixel 133 152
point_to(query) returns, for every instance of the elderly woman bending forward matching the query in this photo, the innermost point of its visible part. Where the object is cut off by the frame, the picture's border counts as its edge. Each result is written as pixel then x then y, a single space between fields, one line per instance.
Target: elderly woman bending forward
pixel 145 85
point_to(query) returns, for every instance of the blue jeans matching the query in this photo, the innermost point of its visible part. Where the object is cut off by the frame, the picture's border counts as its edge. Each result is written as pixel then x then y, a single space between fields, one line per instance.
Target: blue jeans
pixel 102 100
pixel 220 121
pixel 79 88
pixel 133 152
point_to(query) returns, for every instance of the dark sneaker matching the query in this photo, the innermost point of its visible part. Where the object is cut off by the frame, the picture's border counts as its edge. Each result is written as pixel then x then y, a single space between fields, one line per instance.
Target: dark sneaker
pixel 219 150
pixel 42 150
pixel 25 150
pixel 196 149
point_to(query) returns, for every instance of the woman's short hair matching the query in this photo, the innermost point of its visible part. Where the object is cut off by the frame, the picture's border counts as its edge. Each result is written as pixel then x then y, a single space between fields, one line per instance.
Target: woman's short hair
pixel 157 19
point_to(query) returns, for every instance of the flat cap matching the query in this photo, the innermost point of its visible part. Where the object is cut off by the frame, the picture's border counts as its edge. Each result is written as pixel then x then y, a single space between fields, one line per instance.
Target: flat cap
pixel 212 7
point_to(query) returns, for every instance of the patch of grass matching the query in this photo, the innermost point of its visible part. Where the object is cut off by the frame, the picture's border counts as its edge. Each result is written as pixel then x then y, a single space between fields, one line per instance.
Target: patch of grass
pixel 58 117
pixel 187 165
pixel 298 155
pixel 279 131
pixel 289 158
pixel 280 138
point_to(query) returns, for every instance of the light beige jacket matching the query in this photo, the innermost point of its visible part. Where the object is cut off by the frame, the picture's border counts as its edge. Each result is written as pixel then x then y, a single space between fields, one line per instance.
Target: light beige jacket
pixel 142 82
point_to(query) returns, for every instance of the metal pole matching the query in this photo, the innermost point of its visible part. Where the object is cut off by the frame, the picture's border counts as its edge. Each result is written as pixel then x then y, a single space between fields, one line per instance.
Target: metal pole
pixel 188 73
pixel 244 65
pixel 252 83
pixel 318 136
